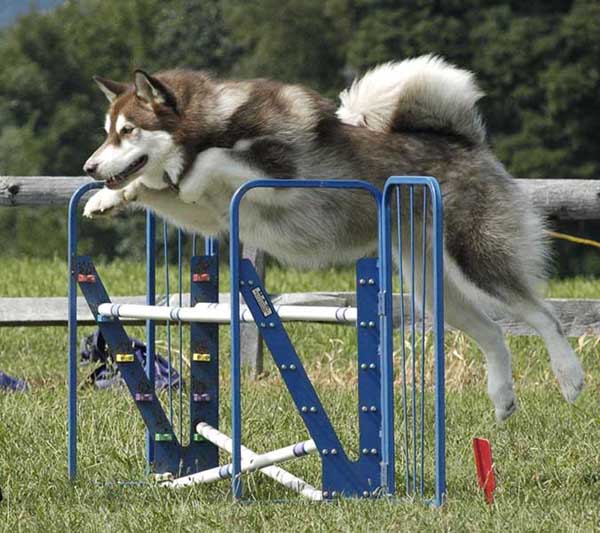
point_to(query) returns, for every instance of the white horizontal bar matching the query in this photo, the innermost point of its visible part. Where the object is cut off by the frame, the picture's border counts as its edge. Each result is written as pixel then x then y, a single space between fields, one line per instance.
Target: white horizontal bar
pixel 249 464
pixel 252 461
pixel 217 313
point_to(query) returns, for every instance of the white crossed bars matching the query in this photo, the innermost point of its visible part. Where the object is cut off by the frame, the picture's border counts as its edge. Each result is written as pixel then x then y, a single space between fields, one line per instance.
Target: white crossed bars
pixel 251 462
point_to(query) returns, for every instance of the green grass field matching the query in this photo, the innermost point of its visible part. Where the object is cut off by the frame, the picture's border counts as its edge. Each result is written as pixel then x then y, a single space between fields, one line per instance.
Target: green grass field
pixel 546 455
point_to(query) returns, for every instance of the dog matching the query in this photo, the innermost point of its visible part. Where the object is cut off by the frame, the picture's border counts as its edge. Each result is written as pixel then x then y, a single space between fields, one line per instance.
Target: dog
pixel 181 142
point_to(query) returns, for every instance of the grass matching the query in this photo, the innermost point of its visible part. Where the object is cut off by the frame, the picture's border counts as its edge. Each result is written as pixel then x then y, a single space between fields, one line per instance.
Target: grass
pixel 548 467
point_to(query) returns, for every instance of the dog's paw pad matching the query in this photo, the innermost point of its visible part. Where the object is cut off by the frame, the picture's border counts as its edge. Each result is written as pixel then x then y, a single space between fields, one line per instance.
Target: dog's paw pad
pixel 571 380
pixel 504 412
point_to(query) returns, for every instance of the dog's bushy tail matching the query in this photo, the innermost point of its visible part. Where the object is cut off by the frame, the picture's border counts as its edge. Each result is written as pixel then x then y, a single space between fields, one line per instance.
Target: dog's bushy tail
pixel 421 94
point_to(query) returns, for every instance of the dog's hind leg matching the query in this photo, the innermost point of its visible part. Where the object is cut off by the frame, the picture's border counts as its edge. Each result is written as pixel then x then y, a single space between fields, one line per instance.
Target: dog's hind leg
pixel 565 364
pixel 464 315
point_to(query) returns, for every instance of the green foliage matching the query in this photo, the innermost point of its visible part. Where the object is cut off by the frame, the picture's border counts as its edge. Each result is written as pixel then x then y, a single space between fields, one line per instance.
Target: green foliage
pixel 538 66
pixel 538 62
pixel 192 34
pixel 293 40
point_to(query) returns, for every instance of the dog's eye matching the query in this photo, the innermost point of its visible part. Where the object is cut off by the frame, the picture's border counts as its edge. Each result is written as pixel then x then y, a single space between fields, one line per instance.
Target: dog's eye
pixel 126 129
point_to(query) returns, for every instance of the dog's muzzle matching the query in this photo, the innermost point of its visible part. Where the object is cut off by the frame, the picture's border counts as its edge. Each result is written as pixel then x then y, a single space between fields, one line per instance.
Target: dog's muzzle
pixel 114 181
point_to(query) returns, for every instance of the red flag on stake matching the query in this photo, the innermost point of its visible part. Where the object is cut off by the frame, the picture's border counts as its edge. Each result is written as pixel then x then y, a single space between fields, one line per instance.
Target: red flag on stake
pixel 485 467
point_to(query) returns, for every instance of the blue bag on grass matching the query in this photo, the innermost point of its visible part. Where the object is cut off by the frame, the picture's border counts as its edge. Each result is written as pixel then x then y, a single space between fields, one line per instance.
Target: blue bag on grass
pixel 94 349
pixel 8 383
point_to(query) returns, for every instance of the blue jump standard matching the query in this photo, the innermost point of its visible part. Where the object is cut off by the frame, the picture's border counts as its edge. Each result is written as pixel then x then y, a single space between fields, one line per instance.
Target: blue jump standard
pixel 373 473
pixel 340 474
pixel 169 454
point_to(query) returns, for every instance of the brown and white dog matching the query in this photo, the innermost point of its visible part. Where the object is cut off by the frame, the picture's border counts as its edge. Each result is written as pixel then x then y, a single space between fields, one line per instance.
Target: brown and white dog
pixel 181 142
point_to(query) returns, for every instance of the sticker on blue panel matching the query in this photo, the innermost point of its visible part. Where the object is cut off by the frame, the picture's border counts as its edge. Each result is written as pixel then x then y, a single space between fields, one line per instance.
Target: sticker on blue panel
pixel 262 302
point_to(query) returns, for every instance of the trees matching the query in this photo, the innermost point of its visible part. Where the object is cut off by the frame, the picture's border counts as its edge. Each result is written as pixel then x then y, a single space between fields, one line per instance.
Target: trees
pixel 192 34
pixel 293 40
pixel 537 61
pixel 538 65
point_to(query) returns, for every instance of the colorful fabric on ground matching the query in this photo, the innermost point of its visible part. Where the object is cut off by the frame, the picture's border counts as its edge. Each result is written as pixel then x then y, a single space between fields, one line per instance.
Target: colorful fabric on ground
pixel 8 383
pixel 93 349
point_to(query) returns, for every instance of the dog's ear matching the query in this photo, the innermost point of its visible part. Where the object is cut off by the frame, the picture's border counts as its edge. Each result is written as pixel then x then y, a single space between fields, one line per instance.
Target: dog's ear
pixel 111 89
pixel 152 91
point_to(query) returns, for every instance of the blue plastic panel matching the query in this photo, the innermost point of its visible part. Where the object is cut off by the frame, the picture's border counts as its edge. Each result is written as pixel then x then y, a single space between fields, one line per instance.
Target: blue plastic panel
pixel 369 366
pixel 340 475
pixel 204 375
pixel 169 455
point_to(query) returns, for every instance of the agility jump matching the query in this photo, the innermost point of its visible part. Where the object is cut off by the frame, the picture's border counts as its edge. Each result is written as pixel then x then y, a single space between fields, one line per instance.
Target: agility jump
pixel 374 473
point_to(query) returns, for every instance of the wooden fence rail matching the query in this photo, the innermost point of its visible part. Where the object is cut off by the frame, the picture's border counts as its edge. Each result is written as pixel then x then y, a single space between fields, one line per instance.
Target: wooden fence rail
pixel 561 199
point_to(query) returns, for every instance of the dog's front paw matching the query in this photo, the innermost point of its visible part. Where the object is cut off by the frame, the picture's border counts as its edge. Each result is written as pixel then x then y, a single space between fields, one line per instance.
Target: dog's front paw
pixel 104 202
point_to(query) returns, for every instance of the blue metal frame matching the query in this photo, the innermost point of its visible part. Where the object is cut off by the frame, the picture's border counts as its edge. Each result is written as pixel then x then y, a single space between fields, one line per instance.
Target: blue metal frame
pixel 340 475
pixel 368 332
pixel 72 296
pixel 374 472
pixel 150 325
pixel 386 271
pixel 169 455
pixel 204 360
pixel 235 265
pixel 164 452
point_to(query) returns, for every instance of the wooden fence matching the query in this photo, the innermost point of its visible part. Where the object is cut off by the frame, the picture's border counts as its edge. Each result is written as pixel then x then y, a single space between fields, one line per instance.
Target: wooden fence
pixel 562 199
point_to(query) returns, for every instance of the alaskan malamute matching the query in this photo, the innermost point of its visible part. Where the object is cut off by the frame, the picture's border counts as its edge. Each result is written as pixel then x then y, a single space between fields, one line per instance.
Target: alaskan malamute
pixel 181 142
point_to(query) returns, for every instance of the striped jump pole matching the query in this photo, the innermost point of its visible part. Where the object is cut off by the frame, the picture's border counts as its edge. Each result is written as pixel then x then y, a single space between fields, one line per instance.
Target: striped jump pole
pixel 217 313
pixel 251 462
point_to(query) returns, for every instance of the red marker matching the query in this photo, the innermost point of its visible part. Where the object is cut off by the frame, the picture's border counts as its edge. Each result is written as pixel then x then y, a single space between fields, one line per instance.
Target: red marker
pixel 485 467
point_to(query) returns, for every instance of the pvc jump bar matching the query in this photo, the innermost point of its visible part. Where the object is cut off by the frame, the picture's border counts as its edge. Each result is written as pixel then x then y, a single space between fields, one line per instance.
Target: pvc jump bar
pixel 251 462
pixel 217 313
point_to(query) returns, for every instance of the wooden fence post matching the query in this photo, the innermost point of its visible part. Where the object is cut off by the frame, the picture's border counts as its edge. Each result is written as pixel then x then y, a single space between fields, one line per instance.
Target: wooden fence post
pixel 251 341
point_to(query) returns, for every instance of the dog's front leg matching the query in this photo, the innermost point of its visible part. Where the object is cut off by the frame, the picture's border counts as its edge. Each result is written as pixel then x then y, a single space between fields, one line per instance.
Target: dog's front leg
pixel 109 201
pixel 216 167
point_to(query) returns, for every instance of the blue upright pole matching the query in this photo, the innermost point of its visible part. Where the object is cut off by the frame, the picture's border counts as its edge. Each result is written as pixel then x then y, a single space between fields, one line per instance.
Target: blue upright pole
pixel 387 363
pixel 236 403
pixel 72 296
pixel 438 328
pixel 211 246
pixel 150 324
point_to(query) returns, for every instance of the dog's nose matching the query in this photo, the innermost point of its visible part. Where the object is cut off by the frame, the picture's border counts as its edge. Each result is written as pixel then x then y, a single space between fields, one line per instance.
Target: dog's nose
pixel 90 169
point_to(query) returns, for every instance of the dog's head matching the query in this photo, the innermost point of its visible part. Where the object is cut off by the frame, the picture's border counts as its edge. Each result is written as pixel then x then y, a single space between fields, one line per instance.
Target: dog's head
pixel 142 129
